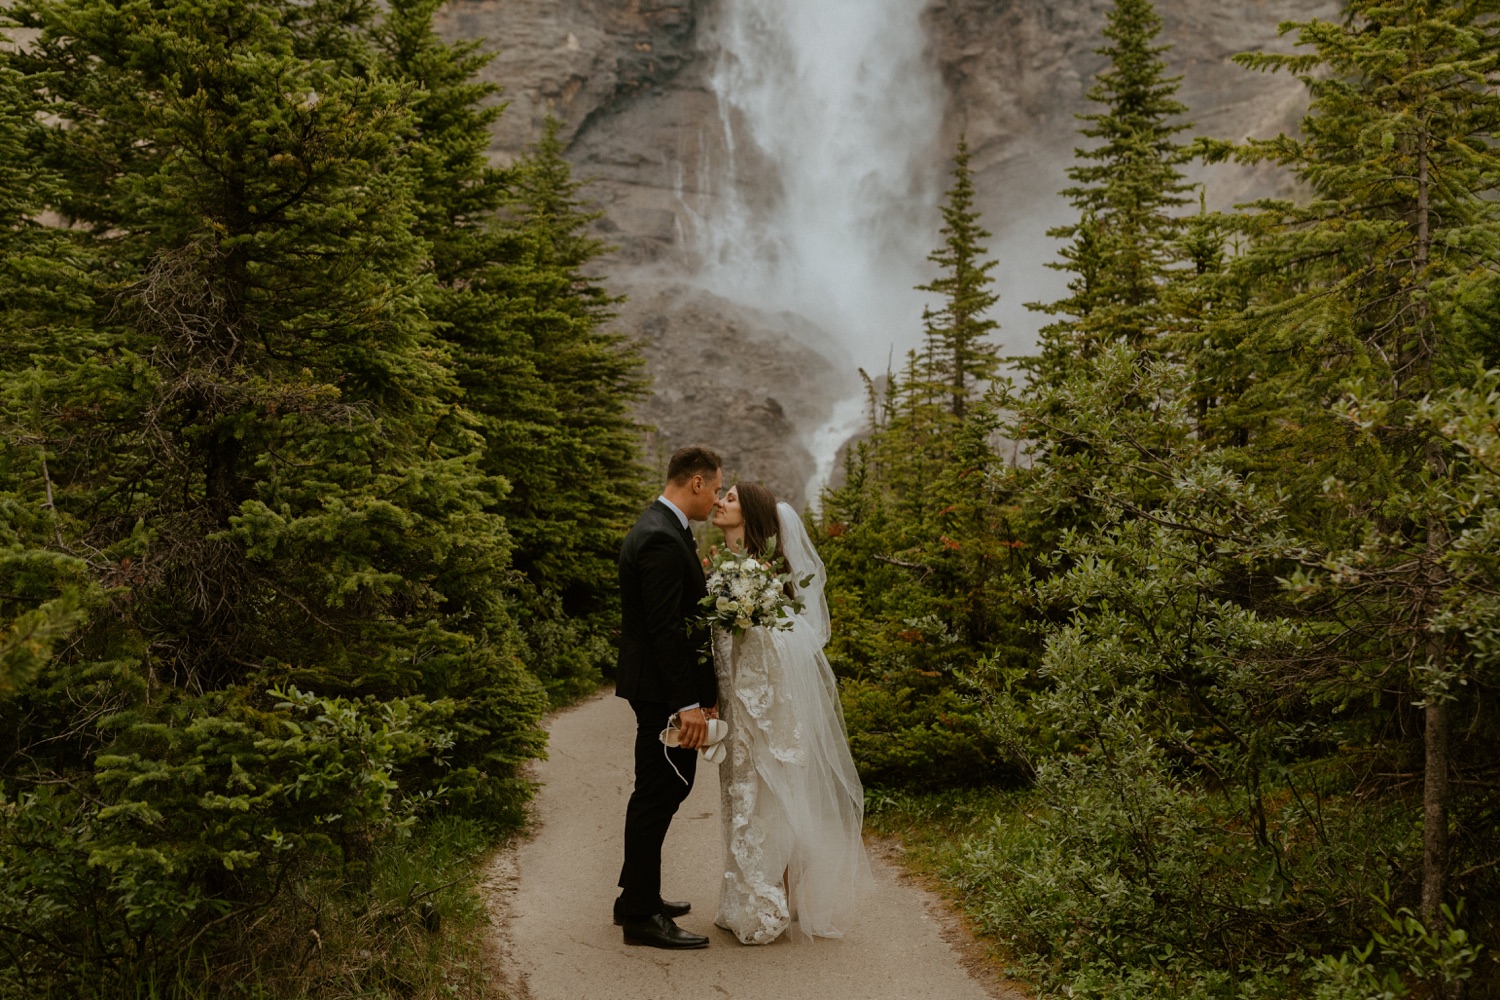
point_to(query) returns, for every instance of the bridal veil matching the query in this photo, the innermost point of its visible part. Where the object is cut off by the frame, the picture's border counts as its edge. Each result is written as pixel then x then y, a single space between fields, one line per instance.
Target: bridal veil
pixel 793 802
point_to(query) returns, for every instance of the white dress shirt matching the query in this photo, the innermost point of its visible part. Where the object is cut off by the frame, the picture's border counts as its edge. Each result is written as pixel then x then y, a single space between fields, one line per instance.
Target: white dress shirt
pixel 681 517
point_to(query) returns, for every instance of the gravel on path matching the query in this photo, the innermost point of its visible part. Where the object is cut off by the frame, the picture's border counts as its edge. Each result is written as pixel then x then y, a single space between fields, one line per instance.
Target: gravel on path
pixel 551 896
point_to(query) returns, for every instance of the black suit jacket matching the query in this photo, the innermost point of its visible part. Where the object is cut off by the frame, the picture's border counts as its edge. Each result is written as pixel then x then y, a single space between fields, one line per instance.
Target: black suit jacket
pixel 661 583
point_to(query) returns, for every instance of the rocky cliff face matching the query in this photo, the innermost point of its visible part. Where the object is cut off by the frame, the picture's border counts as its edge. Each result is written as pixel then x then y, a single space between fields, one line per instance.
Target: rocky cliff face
pixel 630 80
pixel 1017 70
pixel 572 58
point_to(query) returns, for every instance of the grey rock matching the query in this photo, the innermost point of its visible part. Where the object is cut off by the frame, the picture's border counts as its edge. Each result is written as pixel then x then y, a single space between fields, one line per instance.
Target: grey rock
pixel 734 378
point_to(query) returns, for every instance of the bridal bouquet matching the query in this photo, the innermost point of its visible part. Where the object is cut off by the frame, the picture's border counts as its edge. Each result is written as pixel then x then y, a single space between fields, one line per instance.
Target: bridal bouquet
pixel 744 591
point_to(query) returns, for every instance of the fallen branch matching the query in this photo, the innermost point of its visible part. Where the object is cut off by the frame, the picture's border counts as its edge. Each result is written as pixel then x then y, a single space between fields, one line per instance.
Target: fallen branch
pixel 903 564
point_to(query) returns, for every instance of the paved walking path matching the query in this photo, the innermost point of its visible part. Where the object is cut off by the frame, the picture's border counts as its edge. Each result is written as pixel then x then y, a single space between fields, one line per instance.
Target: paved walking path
pixel 552 896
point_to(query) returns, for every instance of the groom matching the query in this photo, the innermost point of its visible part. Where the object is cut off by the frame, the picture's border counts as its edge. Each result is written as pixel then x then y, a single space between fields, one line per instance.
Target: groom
pixel 661 583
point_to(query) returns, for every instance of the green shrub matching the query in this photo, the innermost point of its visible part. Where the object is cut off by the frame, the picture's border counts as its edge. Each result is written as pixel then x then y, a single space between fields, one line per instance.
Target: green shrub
pixel 907 737
pixel 202 820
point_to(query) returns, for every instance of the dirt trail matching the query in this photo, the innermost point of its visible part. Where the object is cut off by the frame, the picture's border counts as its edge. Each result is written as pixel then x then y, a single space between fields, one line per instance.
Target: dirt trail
pixel 552 895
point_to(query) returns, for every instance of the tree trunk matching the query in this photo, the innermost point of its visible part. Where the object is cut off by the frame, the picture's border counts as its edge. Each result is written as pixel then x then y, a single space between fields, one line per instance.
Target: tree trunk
pixel 1435 790
pixel 1435 811
pixel 1435 739
pixel 960 337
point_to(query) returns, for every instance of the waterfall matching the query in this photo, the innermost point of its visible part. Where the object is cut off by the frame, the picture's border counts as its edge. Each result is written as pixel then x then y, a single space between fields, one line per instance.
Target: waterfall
pixel 823 199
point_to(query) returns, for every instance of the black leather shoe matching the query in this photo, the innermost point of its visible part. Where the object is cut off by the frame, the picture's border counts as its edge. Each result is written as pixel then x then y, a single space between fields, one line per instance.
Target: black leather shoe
pixel 658 931
pixel 669 910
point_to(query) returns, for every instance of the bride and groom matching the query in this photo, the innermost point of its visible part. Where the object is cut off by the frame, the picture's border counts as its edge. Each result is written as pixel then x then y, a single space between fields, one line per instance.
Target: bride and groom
pixel 792 804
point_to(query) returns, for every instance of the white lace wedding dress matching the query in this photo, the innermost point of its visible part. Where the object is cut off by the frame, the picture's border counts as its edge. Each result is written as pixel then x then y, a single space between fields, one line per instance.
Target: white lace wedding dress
pixel 793 805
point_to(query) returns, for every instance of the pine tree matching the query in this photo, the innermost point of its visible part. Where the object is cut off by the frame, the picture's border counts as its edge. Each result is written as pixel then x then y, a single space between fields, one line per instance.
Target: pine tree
pixel 549 386
pixel 958 353
pixel 255 451
pixel 40 274
pixel 571 450
pixel 1397 149
pixel 453 113
pixel 468 217
pixel 593 375
pixel 1126 190
pixel 41 266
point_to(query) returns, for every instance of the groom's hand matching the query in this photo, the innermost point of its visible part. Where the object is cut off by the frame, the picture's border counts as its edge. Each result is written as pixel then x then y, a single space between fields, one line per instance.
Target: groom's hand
pixel 693 727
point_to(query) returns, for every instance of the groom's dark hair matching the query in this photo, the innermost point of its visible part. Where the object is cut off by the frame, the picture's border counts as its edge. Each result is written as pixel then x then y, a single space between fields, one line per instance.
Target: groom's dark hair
pixel 694 460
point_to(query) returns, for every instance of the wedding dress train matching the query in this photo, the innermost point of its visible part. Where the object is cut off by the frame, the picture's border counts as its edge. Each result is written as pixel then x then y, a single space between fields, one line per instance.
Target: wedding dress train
pixel 793 805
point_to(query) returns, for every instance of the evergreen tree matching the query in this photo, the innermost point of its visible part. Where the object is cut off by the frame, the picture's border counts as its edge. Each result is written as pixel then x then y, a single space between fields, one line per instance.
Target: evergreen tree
pixel 1369 276
pixel 549 387
pixel 468 217
pixel 923 563
pixel 41 266
pixel 913 427
pixel 255 460
pixel 453 114
pixel 567 441
pixel 592 375
pixel 922 574
pixel 40 275
pixel 958 353
pixel 1126 189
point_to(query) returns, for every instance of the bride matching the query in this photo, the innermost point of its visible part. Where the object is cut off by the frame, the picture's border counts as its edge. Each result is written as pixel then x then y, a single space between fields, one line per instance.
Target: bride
pixel 792 801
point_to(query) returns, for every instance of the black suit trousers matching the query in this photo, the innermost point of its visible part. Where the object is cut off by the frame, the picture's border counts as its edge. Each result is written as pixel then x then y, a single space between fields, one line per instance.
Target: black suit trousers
pixel 658 792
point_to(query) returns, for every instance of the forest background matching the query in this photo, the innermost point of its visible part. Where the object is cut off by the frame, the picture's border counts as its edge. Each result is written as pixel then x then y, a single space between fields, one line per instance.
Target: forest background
pixel 1175 659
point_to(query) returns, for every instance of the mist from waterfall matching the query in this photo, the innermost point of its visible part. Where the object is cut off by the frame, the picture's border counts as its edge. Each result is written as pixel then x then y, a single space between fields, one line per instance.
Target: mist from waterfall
pixel 824 199
pixel 831 113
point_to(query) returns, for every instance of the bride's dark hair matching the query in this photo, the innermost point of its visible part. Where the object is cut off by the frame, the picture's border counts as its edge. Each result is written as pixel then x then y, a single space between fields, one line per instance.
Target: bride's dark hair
pixel 758 507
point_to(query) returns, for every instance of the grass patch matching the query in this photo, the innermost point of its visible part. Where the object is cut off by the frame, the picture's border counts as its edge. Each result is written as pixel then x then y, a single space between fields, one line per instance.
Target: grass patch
pixel 931 824
pixel 417 935
pixel 936 829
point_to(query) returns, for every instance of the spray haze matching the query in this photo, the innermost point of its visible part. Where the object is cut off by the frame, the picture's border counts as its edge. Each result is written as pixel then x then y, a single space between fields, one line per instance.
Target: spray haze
pixel 825 202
